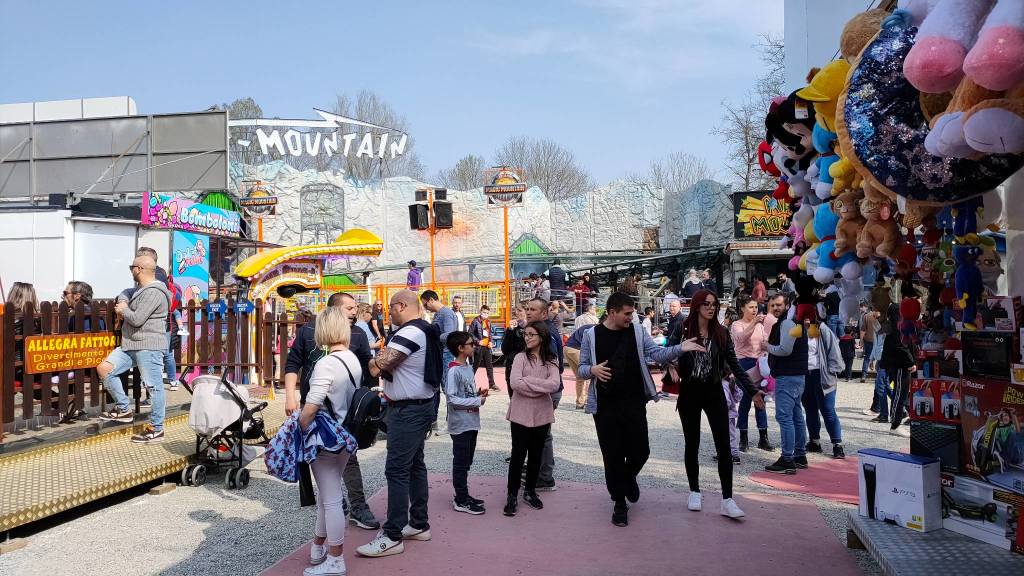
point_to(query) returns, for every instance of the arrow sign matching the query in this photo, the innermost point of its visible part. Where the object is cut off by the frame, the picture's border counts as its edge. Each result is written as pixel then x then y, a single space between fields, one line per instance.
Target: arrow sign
pixel 244 307
pixel 217 308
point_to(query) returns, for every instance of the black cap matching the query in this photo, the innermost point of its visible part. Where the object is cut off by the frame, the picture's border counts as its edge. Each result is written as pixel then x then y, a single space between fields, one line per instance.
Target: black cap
pixel 412 262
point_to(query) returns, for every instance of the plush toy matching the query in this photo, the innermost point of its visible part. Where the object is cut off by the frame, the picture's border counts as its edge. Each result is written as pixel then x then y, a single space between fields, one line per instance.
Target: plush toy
pixel 847 206
pixel 806 308
pixel 858 31
pixel 965 220
pixel 910 313
pixel 969 284
pixel 935 63
pixel 823 90
pixel 880 232
pixel 825 222
pixel 882 129
pixel 990 266
pixel 791 123
pixel 851 292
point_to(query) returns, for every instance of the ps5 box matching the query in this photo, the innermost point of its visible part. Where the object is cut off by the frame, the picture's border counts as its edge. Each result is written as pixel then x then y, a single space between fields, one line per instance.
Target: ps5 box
pixel 901 489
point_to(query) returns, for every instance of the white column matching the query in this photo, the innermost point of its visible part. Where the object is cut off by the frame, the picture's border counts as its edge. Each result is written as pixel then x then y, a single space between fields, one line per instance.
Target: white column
pixel 1013 195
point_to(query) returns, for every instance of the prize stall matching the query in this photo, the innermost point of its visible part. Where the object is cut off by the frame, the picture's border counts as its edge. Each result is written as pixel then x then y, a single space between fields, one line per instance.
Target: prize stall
pixel 903 157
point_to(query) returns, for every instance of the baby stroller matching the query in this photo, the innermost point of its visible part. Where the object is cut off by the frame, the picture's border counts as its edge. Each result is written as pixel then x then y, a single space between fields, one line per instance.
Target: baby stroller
pixel 222 418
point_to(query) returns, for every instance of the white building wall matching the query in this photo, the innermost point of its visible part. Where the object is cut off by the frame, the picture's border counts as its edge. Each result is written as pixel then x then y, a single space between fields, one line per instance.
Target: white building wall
pixel 33 249
pixel 812 29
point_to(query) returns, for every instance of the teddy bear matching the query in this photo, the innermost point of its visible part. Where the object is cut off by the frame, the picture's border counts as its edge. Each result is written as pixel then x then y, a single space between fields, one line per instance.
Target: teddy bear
pixel 847 206
pixel 805 308
pixel 880 233
pixel 990 266
pixel 975 50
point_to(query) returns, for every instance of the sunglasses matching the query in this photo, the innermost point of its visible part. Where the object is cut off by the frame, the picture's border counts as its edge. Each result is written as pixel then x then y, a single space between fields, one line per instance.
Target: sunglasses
pixel 133 267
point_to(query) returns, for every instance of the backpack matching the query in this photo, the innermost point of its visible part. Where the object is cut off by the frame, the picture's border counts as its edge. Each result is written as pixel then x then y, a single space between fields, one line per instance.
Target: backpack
pixel 364 412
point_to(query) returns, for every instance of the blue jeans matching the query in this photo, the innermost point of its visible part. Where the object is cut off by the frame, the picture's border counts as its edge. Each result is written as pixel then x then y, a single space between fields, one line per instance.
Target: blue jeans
pixel 790 415
pixel 150 364
pixel 760 414
pixel 869 347
pixel 835 323
pixel 404 469
pixel 882 392
pixel 815 400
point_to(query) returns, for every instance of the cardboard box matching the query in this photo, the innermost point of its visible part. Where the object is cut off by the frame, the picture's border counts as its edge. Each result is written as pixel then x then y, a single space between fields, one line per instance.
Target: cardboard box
pixel 951 365
pixel 992 416
pixel 989 354
pixel 1004 313
pixel 949 395
pixel 900 488
pixel 984 512
pixel 937 440
pixel 923 399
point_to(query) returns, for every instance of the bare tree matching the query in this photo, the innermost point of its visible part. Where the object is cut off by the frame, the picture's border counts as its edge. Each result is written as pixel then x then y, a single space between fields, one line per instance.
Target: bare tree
pixel 243 108
pixel 742 124
pixel 548 165
pixel 369 107
pixel 678 172
pixel 467 174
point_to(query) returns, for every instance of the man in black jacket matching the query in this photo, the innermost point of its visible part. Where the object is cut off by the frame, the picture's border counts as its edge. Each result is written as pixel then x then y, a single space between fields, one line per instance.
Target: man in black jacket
pixel 303 354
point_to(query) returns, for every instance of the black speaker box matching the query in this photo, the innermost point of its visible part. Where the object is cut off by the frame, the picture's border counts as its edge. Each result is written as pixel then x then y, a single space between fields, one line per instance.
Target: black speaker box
pixel 419 217
pixel 443 215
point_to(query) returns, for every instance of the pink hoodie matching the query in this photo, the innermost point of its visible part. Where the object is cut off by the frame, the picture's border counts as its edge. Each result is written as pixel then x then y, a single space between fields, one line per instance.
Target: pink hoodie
pixel 532 385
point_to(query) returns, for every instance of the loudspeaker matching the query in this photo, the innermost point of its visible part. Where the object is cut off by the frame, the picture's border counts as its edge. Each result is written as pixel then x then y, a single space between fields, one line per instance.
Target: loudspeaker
pixel 421 195
pixel 440 193
pixel 443 214
pixel 419 217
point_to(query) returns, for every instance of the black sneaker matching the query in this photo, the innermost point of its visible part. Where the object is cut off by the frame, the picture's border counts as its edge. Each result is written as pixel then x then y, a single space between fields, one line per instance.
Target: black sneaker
pixel 511 505
pixel 800 462
pixel 116 415
pixel 633 491
pixel 620 514
pixel 468 507
pixel 545 487
pixel 837 452
pixel 735 459
pixel 149 435
pixel 477 500
pixel 364 519
pixel 782 466
pixel 881 419
pixel 531 498
pixel 813 447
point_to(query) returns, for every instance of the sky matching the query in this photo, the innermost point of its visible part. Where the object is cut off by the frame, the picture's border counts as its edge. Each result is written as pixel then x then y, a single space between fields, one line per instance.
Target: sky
pixel 618 82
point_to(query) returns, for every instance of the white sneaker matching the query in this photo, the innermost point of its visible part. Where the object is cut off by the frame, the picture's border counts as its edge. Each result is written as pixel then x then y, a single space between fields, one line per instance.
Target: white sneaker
pixel 333 566
pixel 869 412
pixel 182 332
pixel 900 431
pixel 695 502
pixel 381 546
pixel 317 553
pixel 410 533
pixel 730 509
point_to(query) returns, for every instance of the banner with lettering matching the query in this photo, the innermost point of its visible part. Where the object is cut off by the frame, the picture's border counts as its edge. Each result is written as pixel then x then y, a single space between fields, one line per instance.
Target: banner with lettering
pixel 759 215
pixel 175 213
pixel 62 352
pixel 190 265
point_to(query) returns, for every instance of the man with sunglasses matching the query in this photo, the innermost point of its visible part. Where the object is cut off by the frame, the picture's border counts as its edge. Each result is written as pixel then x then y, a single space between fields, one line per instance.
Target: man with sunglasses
pixel 143 343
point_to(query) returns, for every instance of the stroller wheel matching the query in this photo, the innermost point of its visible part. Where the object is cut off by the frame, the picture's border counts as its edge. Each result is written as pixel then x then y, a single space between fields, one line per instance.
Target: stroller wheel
pixel 242 478
pixel 185 475
pixel 198 476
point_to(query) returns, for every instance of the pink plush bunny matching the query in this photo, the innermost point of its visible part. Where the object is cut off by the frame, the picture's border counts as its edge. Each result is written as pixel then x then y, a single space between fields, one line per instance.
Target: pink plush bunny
pixel 936 62
pixel 997 59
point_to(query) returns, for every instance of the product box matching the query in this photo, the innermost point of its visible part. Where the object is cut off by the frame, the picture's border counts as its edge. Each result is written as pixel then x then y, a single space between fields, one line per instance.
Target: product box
pixel 992 417
pixel 989 354
pixel 1017 374
pixel 983 512
pixel 949 401
pixel 1004 313
pixel 937 440
pixel 901 489
pixel 923 399
pixel 950 365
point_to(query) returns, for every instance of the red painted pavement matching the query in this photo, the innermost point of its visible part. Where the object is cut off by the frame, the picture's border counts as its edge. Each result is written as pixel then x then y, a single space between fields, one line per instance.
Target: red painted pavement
pixel 573 535
pixel 830 479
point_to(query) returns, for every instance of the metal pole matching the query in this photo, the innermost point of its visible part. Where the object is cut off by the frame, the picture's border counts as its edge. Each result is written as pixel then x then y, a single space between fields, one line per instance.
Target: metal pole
pixel 508 285
pixel 259 232
pixel 432 230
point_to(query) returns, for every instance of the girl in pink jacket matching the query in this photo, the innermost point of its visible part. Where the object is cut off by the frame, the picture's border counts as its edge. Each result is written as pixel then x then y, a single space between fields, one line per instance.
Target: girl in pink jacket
pixel 534 378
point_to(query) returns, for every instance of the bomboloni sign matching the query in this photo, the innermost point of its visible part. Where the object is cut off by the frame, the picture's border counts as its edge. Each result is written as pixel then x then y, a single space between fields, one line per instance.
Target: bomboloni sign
pixel 759 215
pixel 174 213
pixel 387 141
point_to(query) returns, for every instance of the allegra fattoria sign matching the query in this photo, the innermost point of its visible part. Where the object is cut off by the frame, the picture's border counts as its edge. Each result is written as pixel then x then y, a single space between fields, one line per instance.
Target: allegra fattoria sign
pixel 61 352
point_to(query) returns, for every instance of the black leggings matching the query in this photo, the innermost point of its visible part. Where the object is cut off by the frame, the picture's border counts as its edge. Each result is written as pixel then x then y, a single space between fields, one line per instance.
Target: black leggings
pixel 709 397
pixel 901 389
pixel 526 441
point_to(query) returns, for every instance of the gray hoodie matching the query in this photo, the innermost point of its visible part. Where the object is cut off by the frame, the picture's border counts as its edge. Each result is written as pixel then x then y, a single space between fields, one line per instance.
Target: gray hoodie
pixel 145 319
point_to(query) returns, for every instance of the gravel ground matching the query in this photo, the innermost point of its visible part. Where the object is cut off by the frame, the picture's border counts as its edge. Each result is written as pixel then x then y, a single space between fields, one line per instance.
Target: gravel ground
pixel 212 531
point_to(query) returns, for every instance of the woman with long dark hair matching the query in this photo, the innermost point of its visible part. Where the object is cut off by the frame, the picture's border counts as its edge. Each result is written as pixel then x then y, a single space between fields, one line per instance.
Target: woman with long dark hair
pixel 899 360
pixel 534 377
pixel 702 371
pixel 748 336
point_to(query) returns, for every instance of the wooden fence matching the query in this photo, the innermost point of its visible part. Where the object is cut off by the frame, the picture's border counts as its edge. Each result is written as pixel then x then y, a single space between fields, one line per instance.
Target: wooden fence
pixel 253 345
